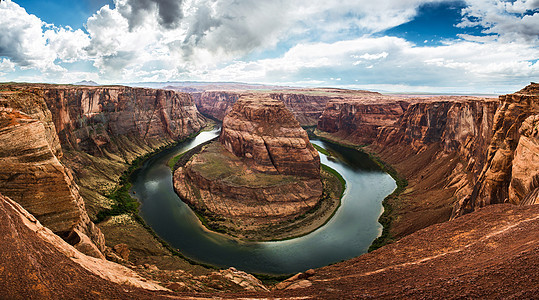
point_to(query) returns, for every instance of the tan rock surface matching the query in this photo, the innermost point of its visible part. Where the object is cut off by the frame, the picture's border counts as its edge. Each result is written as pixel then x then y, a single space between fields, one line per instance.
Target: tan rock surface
pixel 37 264
pixel 31 174
pixel 524 187
pixel 263 171
pixel 263 131
pixel 492 185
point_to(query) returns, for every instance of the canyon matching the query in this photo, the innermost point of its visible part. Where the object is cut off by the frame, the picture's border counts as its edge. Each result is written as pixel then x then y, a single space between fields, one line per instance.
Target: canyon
pixel 262 172
pixel 64 149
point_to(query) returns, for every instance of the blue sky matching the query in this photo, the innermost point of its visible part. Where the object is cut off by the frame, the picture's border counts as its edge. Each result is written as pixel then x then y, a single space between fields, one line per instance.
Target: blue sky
pixel 471 46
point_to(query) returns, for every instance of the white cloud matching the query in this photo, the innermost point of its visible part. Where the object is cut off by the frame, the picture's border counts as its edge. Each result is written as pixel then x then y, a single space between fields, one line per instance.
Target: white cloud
pixel 6 65
pixel 309 41
pixel 510 21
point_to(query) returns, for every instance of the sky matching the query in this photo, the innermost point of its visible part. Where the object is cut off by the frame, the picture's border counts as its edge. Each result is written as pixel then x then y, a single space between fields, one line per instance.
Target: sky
pixel 469 46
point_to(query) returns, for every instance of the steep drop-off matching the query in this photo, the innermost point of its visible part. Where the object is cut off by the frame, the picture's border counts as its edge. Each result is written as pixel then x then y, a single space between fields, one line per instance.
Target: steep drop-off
pixel 262 171
pixel 357 121
pixel 514 118
pixel 31 174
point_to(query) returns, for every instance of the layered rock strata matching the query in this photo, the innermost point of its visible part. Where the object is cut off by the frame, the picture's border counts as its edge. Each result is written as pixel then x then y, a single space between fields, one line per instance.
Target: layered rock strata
pixel 358 121
pixel 266 132
pixel 514 118
pixel 436 143
pixel 96 132
pixel 37 264
pixel 307 105
pixel 33 176
pixel 264 169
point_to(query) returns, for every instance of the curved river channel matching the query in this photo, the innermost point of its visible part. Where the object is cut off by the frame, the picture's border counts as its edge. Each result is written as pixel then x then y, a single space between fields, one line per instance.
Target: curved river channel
pixel 348 234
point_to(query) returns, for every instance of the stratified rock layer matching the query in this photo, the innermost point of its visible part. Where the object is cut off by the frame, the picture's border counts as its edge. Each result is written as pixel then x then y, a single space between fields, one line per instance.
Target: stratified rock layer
pixel 357 121
pixel 524 187
pixel 37 264
pixel 492 185
pixel 96 132
pixel 307 105
pixel 31 174
pixel 263 171
pixel 265 131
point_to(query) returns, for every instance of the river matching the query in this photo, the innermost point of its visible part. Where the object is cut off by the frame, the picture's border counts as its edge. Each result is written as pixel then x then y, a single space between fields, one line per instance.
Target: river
pixel 348 234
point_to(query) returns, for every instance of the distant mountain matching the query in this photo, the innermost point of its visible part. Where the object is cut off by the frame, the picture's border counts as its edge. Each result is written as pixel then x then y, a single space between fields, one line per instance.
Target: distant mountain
pixel 86 82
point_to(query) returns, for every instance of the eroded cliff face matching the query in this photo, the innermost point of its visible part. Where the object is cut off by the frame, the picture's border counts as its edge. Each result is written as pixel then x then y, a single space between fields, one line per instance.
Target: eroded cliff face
pixel 438 145
pixel 358 121
pixel 94 131
pixel 524 187
pixel 90 118
pixel 511 121
pixel 265 132
pixel 307 105
pixel 32 175
pixel 262 171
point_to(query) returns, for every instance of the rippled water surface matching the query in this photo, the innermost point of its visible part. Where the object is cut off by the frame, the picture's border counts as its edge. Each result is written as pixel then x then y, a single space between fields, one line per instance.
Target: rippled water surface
pixel 348 234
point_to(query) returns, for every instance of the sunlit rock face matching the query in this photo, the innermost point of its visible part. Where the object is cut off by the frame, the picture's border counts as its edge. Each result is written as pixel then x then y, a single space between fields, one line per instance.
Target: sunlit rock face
pixel 266 134
pixel 512 149
pixel 49 130
pixel 262 170
pixel 32 175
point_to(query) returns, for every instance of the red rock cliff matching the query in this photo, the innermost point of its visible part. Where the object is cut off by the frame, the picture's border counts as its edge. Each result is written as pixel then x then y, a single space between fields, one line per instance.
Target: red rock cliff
pixel 265 131
pixel 357 121
pixel 514 118
pixel 438 145
pixel 32 175
pixel 307 105
pixel 101 130
pixel 89 118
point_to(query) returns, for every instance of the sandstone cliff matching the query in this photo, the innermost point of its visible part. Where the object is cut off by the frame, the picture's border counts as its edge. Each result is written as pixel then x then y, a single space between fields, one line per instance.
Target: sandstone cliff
pixel 263 171
pixel 358 121
pixel 266 132
pixel 94 131
pixel 492 185
pixel 31 174
pixel 37 264
pixel 307 105
pixel 438 145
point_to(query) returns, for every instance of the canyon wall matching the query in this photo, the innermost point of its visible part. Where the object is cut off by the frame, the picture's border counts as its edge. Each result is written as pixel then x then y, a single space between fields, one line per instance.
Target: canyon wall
pixel 32 175
pixel 457 153
pixel 358 121
pixel 438 145
pixel 307 105
pixel 94 131
pixel 514 128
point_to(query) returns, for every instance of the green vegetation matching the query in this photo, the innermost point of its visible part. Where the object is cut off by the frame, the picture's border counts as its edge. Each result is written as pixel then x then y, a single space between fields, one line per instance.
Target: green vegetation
pixel 336 174
pixel 321 150
pixel 172 162
pixel 386 219
pixel 219 164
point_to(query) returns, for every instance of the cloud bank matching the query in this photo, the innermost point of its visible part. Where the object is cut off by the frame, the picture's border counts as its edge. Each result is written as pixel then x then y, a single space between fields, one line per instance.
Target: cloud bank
pixel 300 42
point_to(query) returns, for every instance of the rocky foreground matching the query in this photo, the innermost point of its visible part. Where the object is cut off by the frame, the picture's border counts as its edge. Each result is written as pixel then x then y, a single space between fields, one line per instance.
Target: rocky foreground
pixel 262 171
pixel 491 253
